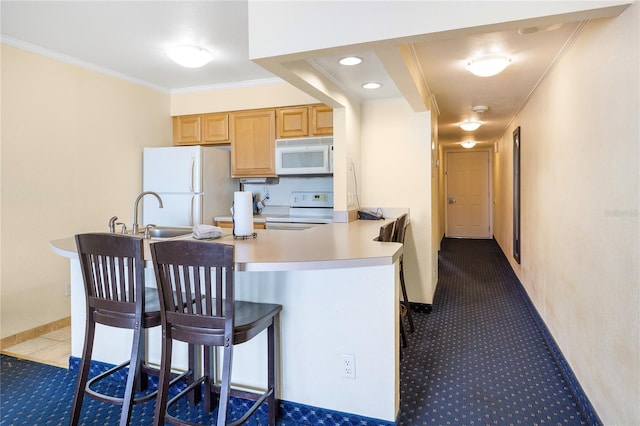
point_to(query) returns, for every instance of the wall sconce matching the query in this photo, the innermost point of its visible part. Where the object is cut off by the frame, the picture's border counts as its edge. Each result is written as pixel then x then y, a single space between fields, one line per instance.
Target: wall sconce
pixel 189 56
pixel 488 65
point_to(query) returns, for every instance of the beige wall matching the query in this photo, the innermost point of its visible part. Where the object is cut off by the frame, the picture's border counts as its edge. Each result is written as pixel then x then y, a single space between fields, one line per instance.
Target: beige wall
pixel 581 210
pixel 396 172
pixel 71 158
pixel 268 95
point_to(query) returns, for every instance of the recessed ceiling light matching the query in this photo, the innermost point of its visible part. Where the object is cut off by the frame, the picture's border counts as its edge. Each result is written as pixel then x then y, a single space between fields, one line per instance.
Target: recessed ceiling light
pixel 189 56
pixel 468 144
pixel 488 65
pixel 470 125
pixel 350 60
pixel 371 85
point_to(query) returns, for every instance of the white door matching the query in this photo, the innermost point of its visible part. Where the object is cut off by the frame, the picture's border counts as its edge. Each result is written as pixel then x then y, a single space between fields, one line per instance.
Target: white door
pixel 468 208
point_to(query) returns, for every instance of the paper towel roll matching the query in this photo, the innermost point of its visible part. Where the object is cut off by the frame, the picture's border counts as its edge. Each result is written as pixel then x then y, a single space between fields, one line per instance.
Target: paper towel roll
pixel 242 213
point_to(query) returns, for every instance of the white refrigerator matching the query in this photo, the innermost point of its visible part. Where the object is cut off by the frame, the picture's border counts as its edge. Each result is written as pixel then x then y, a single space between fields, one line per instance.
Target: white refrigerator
pixel 194 183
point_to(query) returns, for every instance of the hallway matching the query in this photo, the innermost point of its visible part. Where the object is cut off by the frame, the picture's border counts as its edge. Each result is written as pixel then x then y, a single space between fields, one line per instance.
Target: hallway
pixel 481 355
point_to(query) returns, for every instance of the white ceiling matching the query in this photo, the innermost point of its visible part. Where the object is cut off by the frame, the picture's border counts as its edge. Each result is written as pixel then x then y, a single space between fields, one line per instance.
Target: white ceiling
pixel 128 39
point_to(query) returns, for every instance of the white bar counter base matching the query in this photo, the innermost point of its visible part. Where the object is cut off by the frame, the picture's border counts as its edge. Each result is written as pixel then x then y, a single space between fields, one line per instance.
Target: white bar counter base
pixel 339 290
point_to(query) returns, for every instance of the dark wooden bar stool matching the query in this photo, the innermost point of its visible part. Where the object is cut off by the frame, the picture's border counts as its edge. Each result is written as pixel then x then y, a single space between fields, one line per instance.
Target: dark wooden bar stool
pixel 386 235
pixel 113 274
pixel 386 232
pixel 205 271
pixel 398 236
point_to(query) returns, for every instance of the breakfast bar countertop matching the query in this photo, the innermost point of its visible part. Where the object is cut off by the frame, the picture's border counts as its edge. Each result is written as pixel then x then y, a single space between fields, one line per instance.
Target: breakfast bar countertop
pixel 319 275
pixel 329 246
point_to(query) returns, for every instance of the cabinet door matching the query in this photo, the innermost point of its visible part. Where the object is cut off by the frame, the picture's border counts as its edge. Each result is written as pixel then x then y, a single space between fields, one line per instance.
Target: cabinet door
pixel 253 143
pixel 215 128
pixel 186 130
pixel 321 120
pixel 223 224
pixel 293 122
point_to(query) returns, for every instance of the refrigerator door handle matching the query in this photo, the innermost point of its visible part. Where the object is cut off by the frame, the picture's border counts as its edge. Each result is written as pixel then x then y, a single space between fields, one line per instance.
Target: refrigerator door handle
pixel 192 220
pixel 193 175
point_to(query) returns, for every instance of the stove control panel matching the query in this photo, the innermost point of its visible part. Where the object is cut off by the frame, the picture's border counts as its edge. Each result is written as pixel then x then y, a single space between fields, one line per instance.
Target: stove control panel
pixel 311 199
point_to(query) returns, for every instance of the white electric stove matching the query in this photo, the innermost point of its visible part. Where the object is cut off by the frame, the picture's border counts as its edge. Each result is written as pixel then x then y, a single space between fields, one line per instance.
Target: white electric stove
pixel 306 209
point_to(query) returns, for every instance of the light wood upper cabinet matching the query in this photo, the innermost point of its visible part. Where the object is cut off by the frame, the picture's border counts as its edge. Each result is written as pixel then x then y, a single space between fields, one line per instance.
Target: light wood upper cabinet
pixel 321 120
pixel 201 129
pixel 304 121
pixel 215 128
pixel 186 130
pixel 293 122
pixel 253 143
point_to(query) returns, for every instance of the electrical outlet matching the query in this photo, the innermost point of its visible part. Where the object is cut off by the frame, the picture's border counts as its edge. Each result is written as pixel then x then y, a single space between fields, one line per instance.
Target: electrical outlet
pixel 67 289
pixel 348 366
pixel 350 198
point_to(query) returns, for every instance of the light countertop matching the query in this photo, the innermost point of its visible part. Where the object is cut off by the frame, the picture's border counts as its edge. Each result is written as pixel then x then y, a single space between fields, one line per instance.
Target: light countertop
pixel 329 246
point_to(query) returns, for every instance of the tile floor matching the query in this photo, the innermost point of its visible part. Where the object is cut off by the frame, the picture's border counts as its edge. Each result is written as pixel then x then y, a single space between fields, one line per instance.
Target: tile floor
pixel 53 348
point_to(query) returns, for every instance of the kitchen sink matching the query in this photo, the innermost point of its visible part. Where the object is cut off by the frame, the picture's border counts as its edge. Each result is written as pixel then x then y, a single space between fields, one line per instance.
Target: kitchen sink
pixel 168 231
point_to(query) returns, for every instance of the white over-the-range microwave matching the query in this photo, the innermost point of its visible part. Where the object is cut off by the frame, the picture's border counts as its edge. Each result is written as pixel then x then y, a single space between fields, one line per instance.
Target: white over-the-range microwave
pixel 304 156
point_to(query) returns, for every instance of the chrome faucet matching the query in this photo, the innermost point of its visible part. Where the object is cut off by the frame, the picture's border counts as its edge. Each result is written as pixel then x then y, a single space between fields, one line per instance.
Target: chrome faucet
pixel 112 224
pixel 134 229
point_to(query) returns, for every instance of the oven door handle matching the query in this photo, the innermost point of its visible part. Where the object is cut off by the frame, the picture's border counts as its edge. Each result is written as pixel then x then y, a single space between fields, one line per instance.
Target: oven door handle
pixel 289 226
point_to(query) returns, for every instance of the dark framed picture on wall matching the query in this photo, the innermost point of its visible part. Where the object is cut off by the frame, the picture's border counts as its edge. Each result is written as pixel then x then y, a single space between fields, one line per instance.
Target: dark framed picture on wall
pixel 516 194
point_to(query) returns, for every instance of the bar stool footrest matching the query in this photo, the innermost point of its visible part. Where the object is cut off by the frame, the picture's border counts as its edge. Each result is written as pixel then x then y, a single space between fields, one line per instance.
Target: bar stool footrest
pixel 113 399
pixel 257 398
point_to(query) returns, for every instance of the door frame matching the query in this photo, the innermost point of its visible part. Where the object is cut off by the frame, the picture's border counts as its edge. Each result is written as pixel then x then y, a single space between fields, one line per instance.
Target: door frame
pixel 489 151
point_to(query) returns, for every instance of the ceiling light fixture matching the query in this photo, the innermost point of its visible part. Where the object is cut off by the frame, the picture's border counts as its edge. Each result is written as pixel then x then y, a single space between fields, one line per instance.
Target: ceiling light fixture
pixel 468 144
pixel 488 65
pixel 479 109
pixel 350 60
pixel 372 85
pixel 533 30
pixel 470 125
pixel 189 56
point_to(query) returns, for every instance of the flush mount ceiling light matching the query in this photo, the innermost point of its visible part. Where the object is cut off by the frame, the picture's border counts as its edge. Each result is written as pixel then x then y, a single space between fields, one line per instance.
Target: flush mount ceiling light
pixel 350 60
pixel 372 85
pixel 488 65
pixel 479 109
pixel 533 30
pixel 468 144
pixel 470 125
pixel 189 56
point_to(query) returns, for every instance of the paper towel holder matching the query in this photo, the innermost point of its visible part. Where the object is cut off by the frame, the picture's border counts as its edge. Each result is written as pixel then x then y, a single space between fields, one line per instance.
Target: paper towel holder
pixel 244 237
pixel 240 237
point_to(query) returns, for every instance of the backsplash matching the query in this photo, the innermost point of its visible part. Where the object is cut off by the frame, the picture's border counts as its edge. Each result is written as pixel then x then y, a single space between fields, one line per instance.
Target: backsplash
pixel 280 192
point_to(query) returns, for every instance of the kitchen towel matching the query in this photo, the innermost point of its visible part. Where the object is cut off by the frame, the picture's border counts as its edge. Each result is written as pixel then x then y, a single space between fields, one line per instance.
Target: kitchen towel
pixel 203 232
pixel 242 213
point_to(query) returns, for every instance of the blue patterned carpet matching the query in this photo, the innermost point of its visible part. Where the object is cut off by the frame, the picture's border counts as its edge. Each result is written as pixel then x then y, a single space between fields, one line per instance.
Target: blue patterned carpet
pixel 481 357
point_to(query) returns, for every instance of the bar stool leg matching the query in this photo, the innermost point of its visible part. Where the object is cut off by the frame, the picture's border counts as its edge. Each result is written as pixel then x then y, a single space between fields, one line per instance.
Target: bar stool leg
pixel 272 370
pixel 225 389
pixel 83 371
pixel 403 331
pixel 163 380
pixel 405 298
pixel 137 355
pixel 196 396
pixel 209 371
